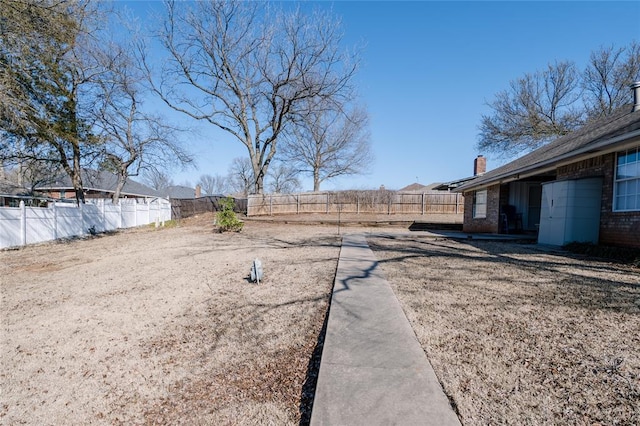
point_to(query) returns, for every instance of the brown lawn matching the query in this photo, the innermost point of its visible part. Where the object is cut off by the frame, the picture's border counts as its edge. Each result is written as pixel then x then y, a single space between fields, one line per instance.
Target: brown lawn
pixel 163 327
pixel 520 336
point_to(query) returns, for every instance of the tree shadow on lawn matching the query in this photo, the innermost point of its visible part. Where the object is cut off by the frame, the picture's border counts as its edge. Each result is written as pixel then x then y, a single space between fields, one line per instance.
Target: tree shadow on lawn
pixel 275 374
pixel 549 278
pixel 260 244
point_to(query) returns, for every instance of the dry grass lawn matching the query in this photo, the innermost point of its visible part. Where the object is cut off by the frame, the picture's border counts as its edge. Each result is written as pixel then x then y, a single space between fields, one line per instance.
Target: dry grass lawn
pixel 521 336
pixel 163 327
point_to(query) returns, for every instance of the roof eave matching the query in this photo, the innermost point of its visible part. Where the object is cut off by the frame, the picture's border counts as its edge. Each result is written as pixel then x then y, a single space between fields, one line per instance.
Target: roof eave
pixel 611 145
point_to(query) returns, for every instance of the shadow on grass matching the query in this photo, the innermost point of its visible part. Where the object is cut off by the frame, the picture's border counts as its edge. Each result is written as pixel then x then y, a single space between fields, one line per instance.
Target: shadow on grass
pixel 311 379
pixel 576 286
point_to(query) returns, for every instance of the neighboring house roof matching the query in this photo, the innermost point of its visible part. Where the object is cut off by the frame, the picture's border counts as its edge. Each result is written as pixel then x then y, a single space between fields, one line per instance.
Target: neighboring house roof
pixel 100 180
pixel 596 138
pixel 9 188
pixel 450 186
pixel 417 187
pixel 179 191
pixel 413 187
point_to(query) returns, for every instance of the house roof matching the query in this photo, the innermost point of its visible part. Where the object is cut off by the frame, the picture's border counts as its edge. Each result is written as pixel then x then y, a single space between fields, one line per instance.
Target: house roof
pixel 416 187
pixel 449 186
pixel 9 188
pixel 179 191
pixel 596 138
pixel 100 180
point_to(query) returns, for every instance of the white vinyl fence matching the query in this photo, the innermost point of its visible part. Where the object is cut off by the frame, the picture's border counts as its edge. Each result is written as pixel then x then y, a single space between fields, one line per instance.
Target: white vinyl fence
pixel 24 225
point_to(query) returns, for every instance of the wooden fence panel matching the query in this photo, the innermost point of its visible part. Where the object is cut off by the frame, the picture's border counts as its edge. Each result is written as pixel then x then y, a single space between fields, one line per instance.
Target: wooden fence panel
pixel 183 208
pixel 356 202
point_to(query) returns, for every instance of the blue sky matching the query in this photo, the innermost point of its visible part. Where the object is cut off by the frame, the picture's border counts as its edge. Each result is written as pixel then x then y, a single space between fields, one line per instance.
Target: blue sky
pixel 429 68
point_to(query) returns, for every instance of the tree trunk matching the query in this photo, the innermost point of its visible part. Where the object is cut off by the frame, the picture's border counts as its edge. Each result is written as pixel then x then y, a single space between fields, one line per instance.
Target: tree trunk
pixel 76 177
pixel 259 187
pixel 122 178
pixel 316 180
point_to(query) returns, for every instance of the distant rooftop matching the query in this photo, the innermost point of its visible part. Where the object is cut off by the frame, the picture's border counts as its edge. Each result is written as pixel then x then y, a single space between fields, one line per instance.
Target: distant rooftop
pixel 100 180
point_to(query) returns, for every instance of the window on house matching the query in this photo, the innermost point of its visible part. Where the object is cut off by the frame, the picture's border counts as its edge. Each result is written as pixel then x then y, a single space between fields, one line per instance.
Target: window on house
pixel 480 204
pixel 627 181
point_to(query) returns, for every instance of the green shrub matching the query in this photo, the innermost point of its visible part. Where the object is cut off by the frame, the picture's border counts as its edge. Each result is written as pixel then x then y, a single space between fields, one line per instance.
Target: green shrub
pixel 226 218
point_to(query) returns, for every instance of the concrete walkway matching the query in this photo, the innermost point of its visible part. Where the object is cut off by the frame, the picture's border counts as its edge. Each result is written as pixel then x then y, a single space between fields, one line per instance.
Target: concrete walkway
pixel 373 370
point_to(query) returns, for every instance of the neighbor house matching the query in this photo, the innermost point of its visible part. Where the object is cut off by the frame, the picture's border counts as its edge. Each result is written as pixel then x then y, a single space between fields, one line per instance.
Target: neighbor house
pixel 97 184
pixel 11 194
pixel 182 192
pixel 582 187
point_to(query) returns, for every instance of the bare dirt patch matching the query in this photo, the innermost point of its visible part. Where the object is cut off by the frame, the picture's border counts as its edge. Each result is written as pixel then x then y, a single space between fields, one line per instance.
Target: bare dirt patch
pixel 163 327
pixel 521 336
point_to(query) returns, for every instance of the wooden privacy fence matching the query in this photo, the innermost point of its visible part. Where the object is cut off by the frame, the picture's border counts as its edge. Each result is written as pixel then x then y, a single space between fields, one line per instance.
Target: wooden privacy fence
pixel 358 202
pixel 182 208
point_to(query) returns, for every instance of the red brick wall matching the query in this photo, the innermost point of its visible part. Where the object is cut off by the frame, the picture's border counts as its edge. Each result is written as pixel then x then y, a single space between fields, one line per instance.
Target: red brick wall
pixel 488 224
pixel 56 194
pixel 616 228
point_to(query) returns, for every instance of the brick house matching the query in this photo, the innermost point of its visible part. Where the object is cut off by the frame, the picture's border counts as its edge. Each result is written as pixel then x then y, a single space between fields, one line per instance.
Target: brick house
pixel 584 186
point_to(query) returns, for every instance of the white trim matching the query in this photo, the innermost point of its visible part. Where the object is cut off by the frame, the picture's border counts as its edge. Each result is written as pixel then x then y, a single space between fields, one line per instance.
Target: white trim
pixel 616 181
pixel 474 204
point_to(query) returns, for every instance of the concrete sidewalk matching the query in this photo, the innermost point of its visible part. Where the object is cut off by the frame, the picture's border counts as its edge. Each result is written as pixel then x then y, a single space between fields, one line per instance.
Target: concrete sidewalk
pixel 373 370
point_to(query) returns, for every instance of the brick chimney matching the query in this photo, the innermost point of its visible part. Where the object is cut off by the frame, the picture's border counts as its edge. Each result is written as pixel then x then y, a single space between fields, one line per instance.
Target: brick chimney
pixel 636 95
pixel 479 166
pixel 198 191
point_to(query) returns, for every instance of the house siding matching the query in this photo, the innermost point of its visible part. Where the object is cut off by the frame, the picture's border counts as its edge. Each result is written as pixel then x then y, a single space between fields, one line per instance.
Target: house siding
pixel 490 223
pixel 616 228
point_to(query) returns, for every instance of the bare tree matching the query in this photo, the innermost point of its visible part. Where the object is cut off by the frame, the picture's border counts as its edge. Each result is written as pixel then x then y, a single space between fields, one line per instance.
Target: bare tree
pixel 157 179
pixel 46 78
pixel 213 185
pixel 545 105
pixel 135 140
pixel 535 109
pixel 240 176
pixel 283 179
pixel 330 140
pixel 246 69
pixel 31 164
pixel 607 78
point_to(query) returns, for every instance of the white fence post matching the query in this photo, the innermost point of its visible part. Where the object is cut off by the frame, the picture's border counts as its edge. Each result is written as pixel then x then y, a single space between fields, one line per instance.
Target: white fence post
pixel 23 223
pixel 84 224
pixel 55 220
pixel 104 214
pixel 119 225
